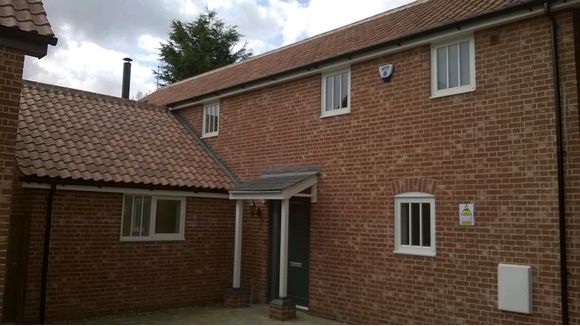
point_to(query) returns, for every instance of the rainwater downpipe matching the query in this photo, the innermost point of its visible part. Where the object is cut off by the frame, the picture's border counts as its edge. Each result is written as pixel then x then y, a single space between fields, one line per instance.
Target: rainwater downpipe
pixel 560 162
pixel 46 253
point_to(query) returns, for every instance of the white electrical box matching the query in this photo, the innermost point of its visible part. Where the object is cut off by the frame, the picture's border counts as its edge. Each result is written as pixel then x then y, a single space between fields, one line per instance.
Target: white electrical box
pixel 514 288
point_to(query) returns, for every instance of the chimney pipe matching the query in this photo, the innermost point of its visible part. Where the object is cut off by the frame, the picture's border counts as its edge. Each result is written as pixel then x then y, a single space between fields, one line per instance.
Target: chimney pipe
pixel 126 77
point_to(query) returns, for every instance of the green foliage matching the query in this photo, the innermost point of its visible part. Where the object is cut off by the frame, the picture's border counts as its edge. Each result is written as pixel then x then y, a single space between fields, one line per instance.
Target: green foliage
pixel 202 45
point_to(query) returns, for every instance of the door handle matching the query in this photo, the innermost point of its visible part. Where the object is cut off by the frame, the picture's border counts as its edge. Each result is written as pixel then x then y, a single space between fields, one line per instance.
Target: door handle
pixel 295 264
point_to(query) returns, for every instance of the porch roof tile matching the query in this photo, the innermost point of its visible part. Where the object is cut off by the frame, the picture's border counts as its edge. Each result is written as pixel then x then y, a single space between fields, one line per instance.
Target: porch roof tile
pixel 277 180
pixel 273 183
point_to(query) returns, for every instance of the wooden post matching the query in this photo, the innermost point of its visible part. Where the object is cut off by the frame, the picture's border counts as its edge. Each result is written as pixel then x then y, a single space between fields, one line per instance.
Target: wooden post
pixel 284 248
pixel 238 243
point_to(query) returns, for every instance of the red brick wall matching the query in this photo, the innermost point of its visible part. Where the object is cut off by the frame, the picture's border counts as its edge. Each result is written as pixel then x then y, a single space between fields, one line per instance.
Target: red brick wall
pixel 194 116
pixel 494 147
pixel 11 64
pixel 570 62
pixel 93 272
pixel 255 253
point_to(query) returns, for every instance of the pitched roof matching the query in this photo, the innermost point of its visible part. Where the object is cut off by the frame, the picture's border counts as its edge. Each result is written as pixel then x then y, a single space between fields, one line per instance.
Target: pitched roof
pixel 277 180
pixel 26 16
pixel 79 136
pixel 417 17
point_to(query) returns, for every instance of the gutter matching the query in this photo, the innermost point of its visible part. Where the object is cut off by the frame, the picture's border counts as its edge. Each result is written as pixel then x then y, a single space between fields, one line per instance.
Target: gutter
pixel 69 182
pixel 30 42
pixel 528 9
pixel 46 253
pixel 559 162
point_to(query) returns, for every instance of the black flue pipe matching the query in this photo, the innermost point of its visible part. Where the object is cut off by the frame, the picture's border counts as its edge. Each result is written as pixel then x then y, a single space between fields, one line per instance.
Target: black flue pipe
pixel 126 77
pixel 46 254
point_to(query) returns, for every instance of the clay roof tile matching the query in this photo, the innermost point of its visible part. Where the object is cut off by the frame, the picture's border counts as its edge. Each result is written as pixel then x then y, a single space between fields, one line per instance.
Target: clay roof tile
pixel 26 16
pixel 46 147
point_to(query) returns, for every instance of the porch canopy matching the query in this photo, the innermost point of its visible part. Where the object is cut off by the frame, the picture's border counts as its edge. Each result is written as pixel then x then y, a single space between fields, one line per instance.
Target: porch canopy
pixel 277 184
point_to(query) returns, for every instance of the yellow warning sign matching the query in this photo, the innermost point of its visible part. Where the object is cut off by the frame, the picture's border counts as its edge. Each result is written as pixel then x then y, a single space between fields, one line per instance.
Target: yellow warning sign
pixel 466 214
pixel 466 211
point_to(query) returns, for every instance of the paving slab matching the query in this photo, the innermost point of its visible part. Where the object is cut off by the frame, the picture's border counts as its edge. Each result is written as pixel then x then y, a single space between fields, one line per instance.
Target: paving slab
pixel 256 314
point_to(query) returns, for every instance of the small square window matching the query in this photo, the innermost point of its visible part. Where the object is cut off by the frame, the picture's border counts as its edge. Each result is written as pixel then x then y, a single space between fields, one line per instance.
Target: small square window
pixel 453 67
pixel 153 218
pixel 415 224
pixel 211 117
pixel 336 93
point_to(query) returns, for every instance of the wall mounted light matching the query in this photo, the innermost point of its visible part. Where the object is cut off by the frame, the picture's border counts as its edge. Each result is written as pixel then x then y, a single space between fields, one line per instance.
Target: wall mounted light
pixel 255 210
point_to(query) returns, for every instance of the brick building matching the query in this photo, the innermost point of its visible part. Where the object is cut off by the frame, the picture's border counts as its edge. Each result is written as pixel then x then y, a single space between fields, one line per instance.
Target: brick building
pixel 419 166
pixel 24 30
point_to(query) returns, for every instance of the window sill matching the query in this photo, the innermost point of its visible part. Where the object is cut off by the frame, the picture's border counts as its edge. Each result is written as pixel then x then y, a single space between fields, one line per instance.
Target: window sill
pixel 214 134
pixel 452 91
pixel 427 252
pixel 152 239
pixel 333 113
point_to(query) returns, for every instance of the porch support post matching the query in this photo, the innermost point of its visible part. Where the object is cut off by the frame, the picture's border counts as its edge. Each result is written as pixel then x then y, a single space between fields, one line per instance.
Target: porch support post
pixel 284 248
pixel 238 243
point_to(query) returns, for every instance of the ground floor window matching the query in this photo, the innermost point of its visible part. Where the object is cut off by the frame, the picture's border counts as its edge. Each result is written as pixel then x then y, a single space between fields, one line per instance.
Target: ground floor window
pixel 152 218
pixel 415 224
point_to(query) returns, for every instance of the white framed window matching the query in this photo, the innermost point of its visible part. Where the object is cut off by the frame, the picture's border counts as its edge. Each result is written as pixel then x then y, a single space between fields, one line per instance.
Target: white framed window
pixel 453 67
pixel 336 92
pixel 415 224
pixel 152 218
pixel 211 119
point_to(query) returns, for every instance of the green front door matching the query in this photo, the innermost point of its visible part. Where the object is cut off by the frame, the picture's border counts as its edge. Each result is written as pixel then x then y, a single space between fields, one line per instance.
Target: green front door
pixel 298 250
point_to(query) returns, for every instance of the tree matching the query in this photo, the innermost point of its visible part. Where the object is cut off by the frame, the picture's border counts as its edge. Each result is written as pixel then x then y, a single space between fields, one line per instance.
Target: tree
pixel 202 45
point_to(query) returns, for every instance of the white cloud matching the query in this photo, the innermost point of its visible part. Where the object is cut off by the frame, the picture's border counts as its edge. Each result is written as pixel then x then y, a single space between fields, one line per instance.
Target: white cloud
pixel 223 4
pixel 149 43
pixel 259 46
pixel 188 7
pixel 87 66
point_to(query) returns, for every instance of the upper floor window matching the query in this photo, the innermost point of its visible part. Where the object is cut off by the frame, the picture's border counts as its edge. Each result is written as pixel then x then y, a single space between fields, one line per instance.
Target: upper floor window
pixel 415 224
pixel 453 67
pixel 211 117
pixel 153 218
pixel 336 93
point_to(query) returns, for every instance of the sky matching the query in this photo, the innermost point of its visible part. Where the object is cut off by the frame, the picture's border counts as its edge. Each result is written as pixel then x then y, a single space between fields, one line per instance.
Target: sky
pixel 95 35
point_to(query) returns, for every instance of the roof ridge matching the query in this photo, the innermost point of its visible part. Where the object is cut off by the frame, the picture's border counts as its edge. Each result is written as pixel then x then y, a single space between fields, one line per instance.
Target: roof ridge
pixel 308 39
pixel 93 94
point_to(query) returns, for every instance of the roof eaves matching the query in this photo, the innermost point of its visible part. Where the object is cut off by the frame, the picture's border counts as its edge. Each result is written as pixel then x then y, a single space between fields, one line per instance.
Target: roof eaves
pixel 402 39
pixel 78 182
pixel 29 42
pixel 308 39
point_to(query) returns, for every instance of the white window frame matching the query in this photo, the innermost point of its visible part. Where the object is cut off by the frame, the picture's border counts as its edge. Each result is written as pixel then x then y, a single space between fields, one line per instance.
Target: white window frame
pixel 206 107
pixel 152 218
pixel 414 197
pixel 459 89
pixel 341 111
